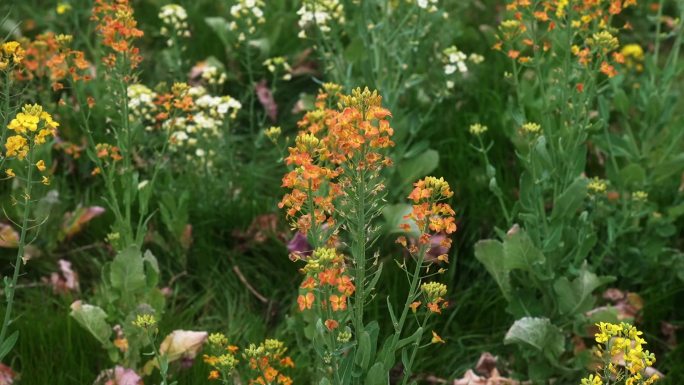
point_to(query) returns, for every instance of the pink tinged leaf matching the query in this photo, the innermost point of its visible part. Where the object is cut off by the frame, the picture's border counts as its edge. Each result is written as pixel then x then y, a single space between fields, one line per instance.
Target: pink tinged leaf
pixel 186 237
pixel 6 375
pixel 73 222
pixel 266 99
pixel 182 344
pixel 9 238
pixel 66 280
pixel 124 376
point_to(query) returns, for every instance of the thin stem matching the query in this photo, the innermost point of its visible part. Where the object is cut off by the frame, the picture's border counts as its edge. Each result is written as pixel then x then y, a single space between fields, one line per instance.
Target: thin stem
pixel 11 288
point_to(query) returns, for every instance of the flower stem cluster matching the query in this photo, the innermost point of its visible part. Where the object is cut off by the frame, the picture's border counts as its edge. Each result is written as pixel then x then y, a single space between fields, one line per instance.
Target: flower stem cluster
pixel 621 341
pixel 118 29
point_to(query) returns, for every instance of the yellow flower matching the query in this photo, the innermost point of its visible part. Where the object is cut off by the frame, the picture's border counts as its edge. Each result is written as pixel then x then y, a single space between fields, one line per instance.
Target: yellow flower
pixel 63 8
pixel 436 339
pixel 597 186
pixel 592 380
pixel 45 181
pixel 40 165
pixel 477 129
pixel 145 321
pixel 17 145
pixel 10 173
pixel 634 51
pixel 531 128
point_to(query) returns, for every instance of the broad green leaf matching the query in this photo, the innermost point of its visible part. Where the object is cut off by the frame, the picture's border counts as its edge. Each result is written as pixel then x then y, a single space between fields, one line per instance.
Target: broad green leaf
pixel 571 199
pixel 377 375
pixel 412 169
pixel 394 218
pixel 576 296
pixel 363 353
pixel 633 175
pixel 538 333
pixel 490 253
pixel 520 252
pixel 127 273
pixel 93 319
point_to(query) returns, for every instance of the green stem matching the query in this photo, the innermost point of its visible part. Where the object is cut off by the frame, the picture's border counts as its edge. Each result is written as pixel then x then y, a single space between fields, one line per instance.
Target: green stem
pixel 11 288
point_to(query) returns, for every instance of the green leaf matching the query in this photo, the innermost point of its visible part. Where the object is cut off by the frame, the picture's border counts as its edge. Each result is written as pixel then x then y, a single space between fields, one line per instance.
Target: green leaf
pixel 377 375
pixel 576 296
pixel 127 272
pixel 490 253
pixel 412 169
pixel 221 28
pixel 520 252
pixel 8 344
pixel 571 199
pixel 363 353
pixel 538 333
pixel 394 218
pixel 93 319
pixel 633 175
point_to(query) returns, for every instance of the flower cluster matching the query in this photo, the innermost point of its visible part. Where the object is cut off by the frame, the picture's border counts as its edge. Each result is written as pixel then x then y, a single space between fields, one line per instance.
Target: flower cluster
pixel 327 286
pixel 621 341
pixel 223 361
pixel 319 14
pixel 175 20
pixel 279 64
pixel 526 34
pixel 333 145
pixel 204 121
pixel 141 104
pixel 213 76
pixel 267 361
pixel 118 29
pixel 433 293
pixel 247 14
pixel 49 56
pixel 433 219
pixel 32 126
pixel 430 5
pixel 11 55
pixel 455 60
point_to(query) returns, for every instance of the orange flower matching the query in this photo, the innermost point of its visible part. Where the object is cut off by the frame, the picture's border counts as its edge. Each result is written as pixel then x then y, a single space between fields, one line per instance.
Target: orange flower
pixel 436 339
pixel 608 69
pixel 331 324
pixel 338 302
pixel 414 306
pixel 214 375
pixel 305 301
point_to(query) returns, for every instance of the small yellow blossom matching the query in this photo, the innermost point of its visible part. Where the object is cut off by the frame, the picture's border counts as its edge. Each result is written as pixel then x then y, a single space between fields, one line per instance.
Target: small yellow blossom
pixel 477 129
pixel 145 321
pixel 640 196
pixel 63 8
pixel 17 145
pixel 40 165
pixel 10 173
pixel 45 181
pixel 531 128
pixel 597 186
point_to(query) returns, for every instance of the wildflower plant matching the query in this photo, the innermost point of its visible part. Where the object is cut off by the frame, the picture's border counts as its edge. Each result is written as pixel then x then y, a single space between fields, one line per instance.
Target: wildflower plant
pixel 25 134
pixel 563 55
pixel 267 363
pixel 336 189
pixel 623 359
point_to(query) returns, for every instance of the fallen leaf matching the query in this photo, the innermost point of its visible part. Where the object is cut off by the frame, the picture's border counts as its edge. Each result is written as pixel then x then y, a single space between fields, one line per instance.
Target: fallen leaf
pixel 9 238
pixel 73 222
pixel 266 99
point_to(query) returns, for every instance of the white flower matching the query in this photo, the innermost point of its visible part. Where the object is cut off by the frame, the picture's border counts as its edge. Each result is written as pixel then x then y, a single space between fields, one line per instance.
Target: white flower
pixel 449 69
